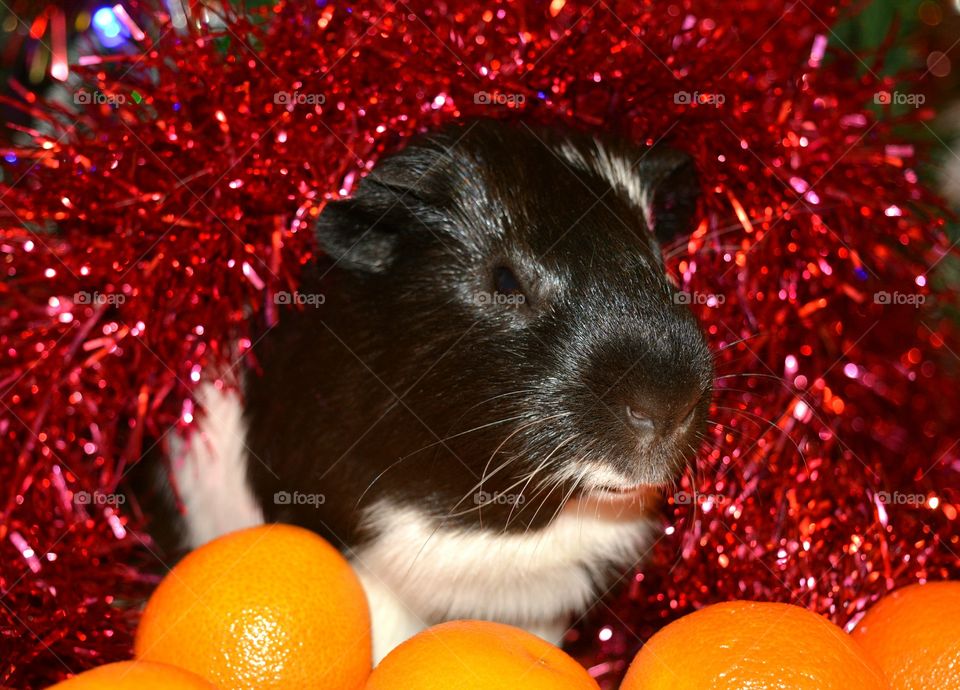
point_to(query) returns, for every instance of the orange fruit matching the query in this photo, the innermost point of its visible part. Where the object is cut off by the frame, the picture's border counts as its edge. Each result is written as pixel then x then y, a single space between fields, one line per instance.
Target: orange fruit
pixel 135 675
pixel 914 635
pixel 273 606
pixel 478 655
pixel 760 646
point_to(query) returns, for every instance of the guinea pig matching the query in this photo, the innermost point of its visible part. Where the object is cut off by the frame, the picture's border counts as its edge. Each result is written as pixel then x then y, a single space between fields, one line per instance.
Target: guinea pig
pixel 478 382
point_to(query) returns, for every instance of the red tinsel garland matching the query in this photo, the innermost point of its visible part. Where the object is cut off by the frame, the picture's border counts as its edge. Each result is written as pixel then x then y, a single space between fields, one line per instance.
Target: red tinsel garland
pixel 146 221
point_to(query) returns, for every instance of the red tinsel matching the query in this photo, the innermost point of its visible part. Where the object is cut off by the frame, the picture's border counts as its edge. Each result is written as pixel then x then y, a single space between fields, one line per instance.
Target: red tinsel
pixel 145 222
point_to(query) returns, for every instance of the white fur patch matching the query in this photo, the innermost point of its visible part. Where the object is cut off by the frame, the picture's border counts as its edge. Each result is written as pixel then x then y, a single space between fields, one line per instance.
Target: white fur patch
pixel 620 172
pixel 210 469
pixel 535 580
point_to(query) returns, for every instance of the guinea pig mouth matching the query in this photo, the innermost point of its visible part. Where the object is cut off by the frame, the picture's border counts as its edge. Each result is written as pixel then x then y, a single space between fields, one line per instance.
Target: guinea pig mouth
pixel 608 484
pixel 616 502
pixel 624 493
pixel 624 490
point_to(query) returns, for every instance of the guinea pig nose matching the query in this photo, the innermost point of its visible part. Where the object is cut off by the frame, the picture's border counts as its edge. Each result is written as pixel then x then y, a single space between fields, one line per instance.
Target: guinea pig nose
pixel 639 419
pixel 660 417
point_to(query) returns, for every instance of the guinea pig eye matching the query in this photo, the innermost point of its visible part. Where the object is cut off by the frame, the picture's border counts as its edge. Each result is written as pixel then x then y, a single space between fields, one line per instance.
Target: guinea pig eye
pixel 505 282
pixel 506 292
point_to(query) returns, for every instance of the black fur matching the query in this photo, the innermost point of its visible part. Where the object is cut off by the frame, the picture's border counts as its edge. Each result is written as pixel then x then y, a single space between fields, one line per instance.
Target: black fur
pixel 409 382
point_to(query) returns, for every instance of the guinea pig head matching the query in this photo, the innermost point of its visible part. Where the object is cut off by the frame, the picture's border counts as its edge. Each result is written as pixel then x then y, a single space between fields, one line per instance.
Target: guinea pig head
pixel 528 344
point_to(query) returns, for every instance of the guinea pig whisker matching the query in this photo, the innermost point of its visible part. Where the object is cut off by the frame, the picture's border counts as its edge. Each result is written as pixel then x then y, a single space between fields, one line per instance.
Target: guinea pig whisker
pixel 683 241
pixel 376 479
pixel 715 444
pixel 496 397
pixel 479 506
pixel 427 447
pixel 733 430
pixel 486 476
pixel 463 433
pixel 550 482
pixel 680 244
pixel 556 483
pixel 695 503
pixel 560 506
pixel 580 504
pixel 550 479
pixel 770 423
pixel 477 487
pixel 727 427
pixel 432 445
pixel 727 346
pixel 779 379
pixel 692 464
pixel 734 362
pixel 488 400
pixel 750 416
pixel 730 389
pixel 680 251
pixel 752 374
pixel 522 427
pixel 505 490
pixel 533 474
pixel 525 478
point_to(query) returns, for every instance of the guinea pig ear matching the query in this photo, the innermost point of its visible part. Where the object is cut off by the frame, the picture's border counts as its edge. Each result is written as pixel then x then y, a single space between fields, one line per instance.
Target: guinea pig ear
pixel 353 235
pixel 670 203
pixel 362 233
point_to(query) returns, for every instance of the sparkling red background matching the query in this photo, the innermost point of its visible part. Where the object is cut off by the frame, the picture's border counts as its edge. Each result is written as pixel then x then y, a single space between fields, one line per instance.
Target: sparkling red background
pixel 137 238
